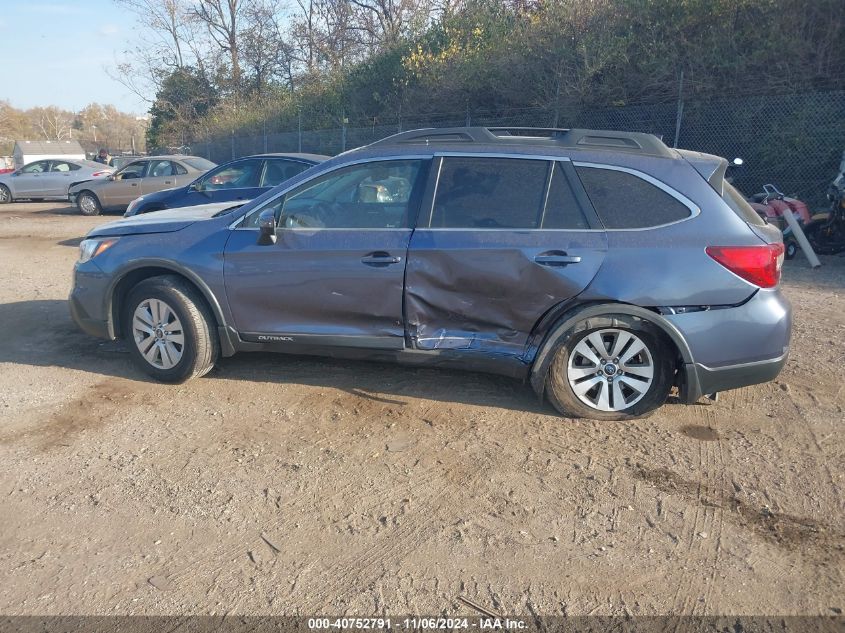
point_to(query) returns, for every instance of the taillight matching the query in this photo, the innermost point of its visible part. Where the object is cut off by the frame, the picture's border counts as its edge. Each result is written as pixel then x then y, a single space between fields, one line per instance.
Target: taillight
pixel 100 173
pixel 759 265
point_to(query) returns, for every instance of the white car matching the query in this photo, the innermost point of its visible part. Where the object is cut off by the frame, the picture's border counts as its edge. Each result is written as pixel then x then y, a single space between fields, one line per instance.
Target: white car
pixel 49 178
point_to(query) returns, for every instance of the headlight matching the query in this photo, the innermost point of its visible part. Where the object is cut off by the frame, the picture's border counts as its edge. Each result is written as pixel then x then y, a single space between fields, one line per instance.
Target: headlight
pixel 134 204
pixel 89 249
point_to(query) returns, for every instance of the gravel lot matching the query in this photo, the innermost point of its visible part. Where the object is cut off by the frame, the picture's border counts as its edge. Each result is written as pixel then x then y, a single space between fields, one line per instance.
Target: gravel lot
pixel 290 485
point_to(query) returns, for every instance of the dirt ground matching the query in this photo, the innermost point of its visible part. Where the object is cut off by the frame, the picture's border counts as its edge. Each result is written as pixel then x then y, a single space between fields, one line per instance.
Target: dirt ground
pixel 291 485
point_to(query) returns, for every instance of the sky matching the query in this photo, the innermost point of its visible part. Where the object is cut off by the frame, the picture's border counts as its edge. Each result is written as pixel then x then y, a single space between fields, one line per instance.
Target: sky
pixel 56 52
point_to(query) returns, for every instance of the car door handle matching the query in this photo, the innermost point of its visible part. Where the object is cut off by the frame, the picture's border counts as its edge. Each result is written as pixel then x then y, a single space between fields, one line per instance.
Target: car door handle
pixel 556 258
pixel 380 258
pixel 133 184
pixel 168 182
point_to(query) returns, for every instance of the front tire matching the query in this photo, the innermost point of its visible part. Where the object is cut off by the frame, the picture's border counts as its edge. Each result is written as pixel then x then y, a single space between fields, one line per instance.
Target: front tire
pixel 88 203
pixel 610 368
pixel 5 195
pixel 170 330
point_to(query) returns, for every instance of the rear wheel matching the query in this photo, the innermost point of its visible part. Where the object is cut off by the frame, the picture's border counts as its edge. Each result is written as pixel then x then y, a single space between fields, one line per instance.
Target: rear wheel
pixel 791 250
pixel 5 194
pixel 88 203
pixel 610 368
pixel 170 330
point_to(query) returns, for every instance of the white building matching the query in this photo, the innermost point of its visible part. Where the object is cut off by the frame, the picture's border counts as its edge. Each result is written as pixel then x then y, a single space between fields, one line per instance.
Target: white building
pixel 29 151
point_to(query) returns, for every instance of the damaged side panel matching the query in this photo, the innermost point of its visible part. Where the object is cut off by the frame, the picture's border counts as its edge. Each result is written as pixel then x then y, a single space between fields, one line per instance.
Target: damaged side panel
pixel 484 290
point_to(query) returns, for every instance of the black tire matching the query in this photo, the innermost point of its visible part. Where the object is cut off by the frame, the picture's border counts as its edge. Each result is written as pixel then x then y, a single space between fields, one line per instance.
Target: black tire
pixel 83 200
pixel 662 361
pixel 201 346
pixel 821 241
pixel 5 195
pixel 790 250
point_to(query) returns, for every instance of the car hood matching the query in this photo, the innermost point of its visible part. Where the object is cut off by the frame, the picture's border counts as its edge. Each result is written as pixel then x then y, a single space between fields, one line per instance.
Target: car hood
pixel 162 221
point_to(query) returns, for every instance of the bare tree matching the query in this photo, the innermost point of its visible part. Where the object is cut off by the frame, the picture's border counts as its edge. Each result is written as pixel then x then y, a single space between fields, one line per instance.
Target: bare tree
pixel 222 19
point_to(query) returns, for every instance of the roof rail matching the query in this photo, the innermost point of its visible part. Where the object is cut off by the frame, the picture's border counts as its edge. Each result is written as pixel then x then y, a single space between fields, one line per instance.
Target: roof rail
pixel 636 142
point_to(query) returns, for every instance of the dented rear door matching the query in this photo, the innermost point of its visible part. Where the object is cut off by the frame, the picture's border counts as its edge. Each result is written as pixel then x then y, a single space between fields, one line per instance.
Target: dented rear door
pixel 505 240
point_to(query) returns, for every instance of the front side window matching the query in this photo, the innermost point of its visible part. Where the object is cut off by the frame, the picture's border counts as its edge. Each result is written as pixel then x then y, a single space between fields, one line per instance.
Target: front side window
pixel 62 166
pixel 625 201
pixel 132 170
pixel 36 168
pixel 241 175
pixel 373 195
pixel 490 193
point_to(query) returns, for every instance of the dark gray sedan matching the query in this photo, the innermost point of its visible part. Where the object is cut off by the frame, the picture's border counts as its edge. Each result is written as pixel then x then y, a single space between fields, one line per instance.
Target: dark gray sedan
pixel 49 178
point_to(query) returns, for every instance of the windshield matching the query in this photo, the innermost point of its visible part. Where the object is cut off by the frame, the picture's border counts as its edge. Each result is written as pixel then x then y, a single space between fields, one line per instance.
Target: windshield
pixel 740 206
pixel 199 163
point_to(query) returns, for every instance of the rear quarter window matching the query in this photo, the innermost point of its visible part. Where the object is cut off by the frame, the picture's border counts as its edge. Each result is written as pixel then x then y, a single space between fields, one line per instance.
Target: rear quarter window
pixel 625 201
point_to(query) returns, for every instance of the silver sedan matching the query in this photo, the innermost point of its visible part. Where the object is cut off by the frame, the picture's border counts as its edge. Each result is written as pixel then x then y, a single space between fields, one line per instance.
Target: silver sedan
pixel 49 178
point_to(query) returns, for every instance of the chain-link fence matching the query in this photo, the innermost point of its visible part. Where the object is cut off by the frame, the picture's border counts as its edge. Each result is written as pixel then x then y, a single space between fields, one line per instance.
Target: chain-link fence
pixel 794 141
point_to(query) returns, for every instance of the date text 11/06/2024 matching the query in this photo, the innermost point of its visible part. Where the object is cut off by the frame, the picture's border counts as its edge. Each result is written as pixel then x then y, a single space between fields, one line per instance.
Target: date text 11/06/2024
pixel 417 624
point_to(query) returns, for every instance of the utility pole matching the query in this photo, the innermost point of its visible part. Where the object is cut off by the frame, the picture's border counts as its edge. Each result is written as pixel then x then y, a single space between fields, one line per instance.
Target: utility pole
pixel 680 114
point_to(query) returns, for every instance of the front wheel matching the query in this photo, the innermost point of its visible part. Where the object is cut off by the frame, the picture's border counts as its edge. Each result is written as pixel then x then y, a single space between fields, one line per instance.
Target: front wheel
pixel 610 368
pixel 170 330
pixel 88 204
pixel 5 194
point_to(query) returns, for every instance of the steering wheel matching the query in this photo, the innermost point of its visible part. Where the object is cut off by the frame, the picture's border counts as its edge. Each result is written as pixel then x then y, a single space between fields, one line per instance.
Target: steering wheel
pixel 320 211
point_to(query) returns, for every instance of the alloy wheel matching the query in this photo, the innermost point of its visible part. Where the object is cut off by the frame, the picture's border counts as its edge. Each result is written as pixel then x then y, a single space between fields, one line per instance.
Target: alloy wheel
pixel 88 204
pixel 610 369
pixel 158 333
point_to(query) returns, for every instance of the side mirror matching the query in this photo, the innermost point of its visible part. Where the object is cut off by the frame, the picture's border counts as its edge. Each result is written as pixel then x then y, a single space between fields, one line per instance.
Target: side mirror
pixel 110 177
pixel 267 227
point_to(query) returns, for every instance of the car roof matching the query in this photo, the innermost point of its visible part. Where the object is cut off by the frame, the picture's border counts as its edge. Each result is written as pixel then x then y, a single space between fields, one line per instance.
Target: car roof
pixel 543 139
pixel 168 156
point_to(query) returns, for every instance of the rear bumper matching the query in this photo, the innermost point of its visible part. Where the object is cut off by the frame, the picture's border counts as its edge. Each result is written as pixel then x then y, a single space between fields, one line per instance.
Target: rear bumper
pixel 735 347
pixel 701 380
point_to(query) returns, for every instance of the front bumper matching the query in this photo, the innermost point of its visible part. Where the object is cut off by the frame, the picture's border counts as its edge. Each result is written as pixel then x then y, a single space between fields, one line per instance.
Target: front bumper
pixel 87 301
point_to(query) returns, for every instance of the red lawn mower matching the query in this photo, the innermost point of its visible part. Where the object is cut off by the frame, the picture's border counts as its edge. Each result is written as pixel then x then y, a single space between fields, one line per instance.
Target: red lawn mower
pixel 771 204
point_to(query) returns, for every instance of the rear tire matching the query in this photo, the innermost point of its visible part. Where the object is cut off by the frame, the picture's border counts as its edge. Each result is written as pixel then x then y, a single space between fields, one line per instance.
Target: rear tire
pixel 88 203
pixel 791 250
pixel 610 368
pixel 5 195
pixel 169 329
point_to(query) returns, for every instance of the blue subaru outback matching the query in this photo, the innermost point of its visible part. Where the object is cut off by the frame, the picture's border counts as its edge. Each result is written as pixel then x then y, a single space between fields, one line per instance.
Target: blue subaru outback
pixel 603 268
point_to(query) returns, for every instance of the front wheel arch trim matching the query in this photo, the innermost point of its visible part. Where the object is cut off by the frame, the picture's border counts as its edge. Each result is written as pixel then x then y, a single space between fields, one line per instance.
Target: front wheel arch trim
pixel 568 320
pixel 164 266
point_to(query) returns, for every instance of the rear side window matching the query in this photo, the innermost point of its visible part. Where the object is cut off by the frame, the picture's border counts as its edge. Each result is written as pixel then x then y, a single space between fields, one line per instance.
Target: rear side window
pixel 625 201
pixel 277 171
pixel 490 193
pixel 562 209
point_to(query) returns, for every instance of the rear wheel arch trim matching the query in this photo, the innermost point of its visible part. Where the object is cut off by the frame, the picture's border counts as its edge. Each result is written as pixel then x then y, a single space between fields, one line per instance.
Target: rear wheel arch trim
pixel 164 266
pixel 567 320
